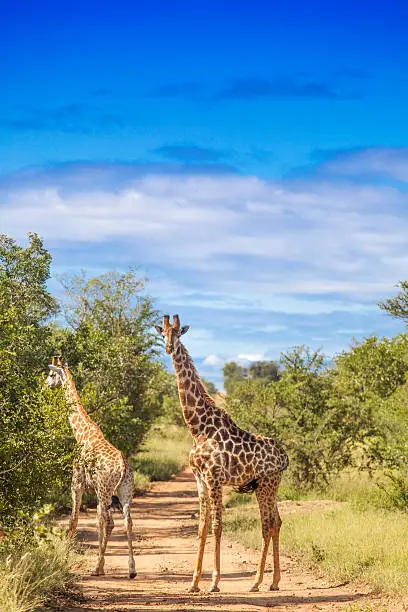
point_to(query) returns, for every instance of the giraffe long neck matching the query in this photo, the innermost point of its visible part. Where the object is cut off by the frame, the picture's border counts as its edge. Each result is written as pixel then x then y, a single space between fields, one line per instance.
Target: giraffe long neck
pixel 198 407
pixel 79 420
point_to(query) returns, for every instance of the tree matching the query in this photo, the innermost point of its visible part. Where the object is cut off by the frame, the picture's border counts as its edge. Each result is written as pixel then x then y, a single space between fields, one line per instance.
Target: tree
pixel 35 446
pixel 210 387
pixel 111 348
pixel 306 412
pixel 371 379
pixel 233 374
pixel 264 371
pixel 398 306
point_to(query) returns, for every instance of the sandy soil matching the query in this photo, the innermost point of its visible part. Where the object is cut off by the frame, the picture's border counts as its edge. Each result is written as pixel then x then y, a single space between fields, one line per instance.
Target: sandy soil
pixel 165 525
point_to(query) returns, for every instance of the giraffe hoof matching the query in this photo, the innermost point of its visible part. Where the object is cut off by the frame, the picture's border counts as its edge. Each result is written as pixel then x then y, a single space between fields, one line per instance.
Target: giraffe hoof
pixel 274 587
pixel 194 589
pixel 214 589
pixel 132 575
pixel 254 589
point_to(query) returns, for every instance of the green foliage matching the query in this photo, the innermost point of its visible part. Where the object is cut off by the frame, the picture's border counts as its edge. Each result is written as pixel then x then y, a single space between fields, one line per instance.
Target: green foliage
pixel 171 410
pixel 262 371
pixel 233 374
pixel 111 350
pixel 265 371
pixel 398 306
pixel 371 380
pixel 329 417
pixel 35 446
pixel 374 366
pixel 210 387
pixel 302 411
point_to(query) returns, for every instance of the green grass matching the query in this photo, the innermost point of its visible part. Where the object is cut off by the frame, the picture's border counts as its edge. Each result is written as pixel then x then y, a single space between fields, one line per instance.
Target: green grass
pixel 28 578
pixel 163 454
pixel 357 487
pixel 368 545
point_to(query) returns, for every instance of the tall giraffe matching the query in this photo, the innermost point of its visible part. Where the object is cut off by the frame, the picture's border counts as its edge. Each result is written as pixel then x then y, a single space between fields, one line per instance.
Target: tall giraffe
pixel 224 454
pixel 100 467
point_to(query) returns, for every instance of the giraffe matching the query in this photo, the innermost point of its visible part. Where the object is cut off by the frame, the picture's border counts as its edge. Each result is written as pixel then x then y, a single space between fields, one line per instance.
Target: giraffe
pixel 224 454
pixel 100 467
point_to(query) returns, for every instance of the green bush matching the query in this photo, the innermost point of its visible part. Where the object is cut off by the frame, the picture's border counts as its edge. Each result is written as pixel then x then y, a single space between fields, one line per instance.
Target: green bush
pixel 111 349
pixel 35 443
pixel 332 416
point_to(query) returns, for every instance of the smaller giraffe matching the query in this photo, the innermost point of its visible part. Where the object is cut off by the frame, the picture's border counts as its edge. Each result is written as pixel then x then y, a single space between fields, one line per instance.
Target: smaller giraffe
pixel 100 467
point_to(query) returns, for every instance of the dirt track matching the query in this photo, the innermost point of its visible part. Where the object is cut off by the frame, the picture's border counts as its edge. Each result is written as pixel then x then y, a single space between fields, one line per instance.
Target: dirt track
pixel 165 526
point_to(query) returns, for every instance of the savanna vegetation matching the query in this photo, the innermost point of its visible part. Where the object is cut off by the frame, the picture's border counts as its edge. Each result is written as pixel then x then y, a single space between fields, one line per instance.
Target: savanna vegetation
pixel 103 327
pixel 343 422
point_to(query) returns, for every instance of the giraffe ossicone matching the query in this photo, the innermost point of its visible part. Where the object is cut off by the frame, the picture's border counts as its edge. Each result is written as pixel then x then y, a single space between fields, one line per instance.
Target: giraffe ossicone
pixel 223 454
pixel 100 467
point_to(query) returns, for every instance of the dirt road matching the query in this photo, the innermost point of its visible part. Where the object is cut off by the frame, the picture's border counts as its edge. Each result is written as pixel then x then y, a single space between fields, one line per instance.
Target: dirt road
pixel 165 525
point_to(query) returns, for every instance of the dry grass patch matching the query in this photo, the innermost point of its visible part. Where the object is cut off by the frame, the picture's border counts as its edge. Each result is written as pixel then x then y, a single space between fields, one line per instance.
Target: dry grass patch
pixel 28 578
pixel 368 545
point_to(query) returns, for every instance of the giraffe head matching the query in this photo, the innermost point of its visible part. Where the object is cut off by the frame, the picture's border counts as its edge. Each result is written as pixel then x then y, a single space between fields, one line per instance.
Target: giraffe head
pixel 171 333
pixel 56 376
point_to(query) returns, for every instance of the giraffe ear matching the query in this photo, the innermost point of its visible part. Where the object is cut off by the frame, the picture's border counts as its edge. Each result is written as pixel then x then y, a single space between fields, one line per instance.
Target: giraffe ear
pixel 159 329
pixel 184 329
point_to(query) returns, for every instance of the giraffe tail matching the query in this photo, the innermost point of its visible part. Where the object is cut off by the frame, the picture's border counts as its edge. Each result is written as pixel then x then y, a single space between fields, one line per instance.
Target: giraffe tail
pixel 248 487
pixel 115 504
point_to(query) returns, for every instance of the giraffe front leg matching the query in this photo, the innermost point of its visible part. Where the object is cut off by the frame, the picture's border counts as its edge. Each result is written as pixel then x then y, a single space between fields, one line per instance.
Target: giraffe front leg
pixel 105 528
pixel 129 532
pixel 77 491
pixel 202 532
pixel 277 522
pixel 216 512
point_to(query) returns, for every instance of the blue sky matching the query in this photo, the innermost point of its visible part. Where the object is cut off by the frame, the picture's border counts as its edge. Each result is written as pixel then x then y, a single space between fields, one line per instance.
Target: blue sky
pixel 251 158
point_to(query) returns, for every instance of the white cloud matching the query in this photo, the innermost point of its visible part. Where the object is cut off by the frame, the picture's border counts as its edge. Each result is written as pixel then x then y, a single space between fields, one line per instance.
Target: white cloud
pixel 379 161
pixel 236 244
pixel 337 237
pixel 213 360
pixel 251 357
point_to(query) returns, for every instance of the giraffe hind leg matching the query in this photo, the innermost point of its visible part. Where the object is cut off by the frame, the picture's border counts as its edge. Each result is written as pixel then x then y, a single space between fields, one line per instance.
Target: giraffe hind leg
pixel 270 522
pixel 125 496
pixel 105 528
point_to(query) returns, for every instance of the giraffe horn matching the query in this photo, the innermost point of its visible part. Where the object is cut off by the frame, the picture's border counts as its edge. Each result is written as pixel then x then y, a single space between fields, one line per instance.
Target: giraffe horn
pixel 166 321
pixel 54 360
pixel 59 360
pixel 176 321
